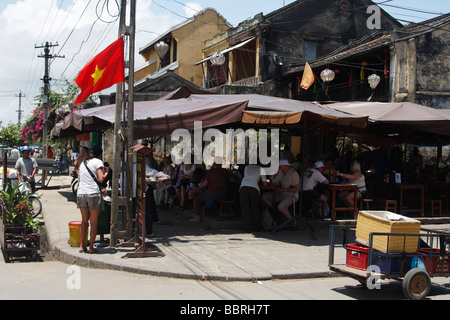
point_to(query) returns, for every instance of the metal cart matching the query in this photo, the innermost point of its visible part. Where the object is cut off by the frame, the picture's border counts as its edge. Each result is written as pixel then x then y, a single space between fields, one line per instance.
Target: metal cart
pixel 368 266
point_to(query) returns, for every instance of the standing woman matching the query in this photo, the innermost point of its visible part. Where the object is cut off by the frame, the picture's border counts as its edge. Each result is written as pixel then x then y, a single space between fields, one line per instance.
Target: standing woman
pixel 89 195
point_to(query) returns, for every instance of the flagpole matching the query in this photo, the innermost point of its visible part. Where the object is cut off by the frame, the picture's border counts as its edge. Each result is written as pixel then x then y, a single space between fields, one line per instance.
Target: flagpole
pixel 116 144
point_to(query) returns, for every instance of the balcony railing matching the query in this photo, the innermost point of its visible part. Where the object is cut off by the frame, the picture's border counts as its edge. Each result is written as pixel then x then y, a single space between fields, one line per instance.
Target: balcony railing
pixel 251 82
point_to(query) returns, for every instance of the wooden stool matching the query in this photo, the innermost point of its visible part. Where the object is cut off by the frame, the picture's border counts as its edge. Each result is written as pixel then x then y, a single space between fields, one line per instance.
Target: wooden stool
pixel 222 203
pixel 391 204
pixel 366 201
pixel 436 205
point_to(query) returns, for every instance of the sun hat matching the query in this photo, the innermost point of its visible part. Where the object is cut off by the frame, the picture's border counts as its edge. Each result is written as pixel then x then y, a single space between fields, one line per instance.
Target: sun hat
pixel 319 164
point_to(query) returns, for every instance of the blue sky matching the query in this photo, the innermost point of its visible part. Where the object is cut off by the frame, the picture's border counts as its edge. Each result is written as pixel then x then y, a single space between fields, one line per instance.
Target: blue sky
pixel 27 23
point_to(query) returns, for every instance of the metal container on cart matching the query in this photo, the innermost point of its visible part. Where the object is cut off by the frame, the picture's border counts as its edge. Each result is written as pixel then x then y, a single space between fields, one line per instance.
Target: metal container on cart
pixel 387 222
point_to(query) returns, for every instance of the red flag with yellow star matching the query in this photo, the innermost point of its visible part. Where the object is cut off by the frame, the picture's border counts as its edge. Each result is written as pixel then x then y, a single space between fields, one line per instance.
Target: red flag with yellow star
pixel 103 71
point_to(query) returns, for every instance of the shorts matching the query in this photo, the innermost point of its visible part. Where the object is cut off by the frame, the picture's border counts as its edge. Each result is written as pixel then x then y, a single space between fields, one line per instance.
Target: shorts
pixel 285 200
pixel 89 201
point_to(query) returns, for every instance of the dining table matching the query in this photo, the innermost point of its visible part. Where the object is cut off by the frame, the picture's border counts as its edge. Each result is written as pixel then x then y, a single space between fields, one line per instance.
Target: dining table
pixel 270 188
pixel 336 187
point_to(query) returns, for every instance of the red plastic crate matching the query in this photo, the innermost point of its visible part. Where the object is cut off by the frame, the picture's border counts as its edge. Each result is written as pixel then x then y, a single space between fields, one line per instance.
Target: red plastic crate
pixel 435 264
pixel 357 256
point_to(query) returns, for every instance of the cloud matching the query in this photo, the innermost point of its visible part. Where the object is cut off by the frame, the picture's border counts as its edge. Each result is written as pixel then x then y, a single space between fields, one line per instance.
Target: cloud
pixel 192 8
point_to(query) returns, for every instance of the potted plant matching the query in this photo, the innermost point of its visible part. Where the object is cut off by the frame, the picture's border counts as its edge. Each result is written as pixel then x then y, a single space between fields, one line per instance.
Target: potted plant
pixel 18 228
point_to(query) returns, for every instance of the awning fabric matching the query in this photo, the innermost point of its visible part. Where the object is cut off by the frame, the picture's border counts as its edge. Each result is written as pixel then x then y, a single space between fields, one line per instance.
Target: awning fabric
pixel 227 50
pixel 278 111
pixel 157 118
pixel 408 113
pixel 399 122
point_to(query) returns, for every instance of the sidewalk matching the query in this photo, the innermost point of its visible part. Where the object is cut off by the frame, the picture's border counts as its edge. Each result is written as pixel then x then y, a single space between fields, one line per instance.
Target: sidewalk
pixel 211 249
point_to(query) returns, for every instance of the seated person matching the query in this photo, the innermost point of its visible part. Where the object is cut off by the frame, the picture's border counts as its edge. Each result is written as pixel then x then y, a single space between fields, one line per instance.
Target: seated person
pixel 172 188
pixel 312 177
pixel 168 170
pixel 277 178
pixel 214 186
pixel 329 171
pixel 287 192
pixel 186 174
pixel 356 177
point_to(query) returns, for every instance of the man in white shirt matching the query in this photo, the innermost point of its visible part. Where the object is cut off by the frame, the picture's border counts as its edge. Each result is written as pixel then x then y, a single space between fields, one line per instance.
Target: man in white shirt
pixel 311 179
pixel 287 192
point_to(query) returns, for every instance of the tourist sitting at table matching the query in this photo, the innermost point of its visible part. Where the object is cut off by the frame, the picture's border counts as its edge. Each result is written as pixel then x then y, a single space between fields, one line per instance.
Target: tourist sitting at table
pixel 312 178
pixel 287 192
pixel 172 188
pixel 276 178
pixel 186 174
pixel 168 170
pixel 329 171
pixel 213 187
pixel 356 177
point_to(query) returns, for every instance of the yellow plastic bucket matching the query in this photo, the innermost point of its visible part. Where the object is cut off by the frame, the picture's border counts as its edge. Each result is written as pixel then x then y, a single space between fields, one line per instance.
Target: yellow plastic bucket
pixel 75 233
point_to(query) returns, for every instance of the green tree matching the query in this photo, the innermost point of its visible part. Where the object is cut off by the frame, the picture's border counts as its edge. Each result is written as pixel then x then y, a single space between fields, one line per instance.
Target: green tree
pixel 10 135
pixel 31 131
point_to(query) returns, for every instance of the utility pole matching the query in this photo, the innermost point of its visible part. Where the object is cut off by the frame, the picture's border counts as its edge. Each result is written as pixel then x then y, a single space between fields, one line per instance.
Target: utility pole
pixel 19 117
pixel 46 80
pixel 119 131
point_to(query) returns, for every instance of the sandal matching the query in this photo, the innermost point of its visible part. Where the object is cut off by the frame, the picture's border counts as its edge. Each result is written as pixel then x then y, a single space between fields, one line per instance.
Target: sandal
pixel 84 250
pixel 93 251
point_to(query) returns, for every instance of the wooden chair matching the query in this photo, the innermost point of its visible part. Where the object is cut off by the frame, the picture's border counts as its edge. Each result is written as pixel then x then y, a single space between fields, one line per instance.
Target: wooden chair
pixel 363 201
pixel 391 204
pixel 436 205
pixel 223 203
pixel 229 202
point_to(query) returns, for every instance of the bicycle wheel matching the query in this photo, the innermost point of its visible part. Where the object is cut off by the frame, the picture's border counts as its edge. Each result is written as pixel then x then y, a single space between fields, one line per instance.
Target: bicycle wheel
pixel 75 187
pixel 37 206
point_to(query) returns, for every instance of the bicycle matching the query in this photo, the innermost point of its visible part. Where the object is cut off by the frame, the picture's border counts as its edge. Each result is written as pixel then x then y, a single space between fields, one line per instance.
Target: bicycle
pixel 34 198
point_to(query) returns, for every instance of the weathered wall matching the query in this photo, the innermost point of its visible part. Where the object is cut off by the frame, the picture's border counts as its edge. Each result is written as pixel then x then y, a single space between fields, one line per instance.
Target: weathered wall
pixel 422 68
pixel 433 68
pixel 330 22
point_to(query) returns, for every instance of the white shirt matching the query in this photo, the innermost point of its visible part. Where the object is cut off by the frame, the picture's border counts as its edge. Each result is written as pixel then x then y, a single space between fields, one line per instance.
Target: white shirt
pixel 252 175
pixel 87 185
pixel 312 177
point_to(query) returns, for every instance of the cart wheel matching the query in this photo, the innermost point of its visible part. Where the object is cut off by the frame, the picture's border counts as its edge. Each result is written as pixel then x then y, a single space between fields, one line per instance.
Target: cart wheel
pixel 416 284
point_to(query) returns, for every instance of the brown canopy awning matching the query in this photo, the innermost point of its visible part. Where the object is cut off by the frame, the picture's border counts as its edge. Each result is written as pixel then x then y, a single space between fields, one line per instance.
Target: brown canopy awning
pixel 157 118
pixel 267 110
pixel 399 122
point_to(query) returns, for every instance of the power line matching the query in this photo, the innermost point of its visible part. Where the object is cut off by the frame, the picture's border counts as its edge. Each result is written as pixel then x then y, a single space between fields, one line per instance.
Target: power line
pixel 412 9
